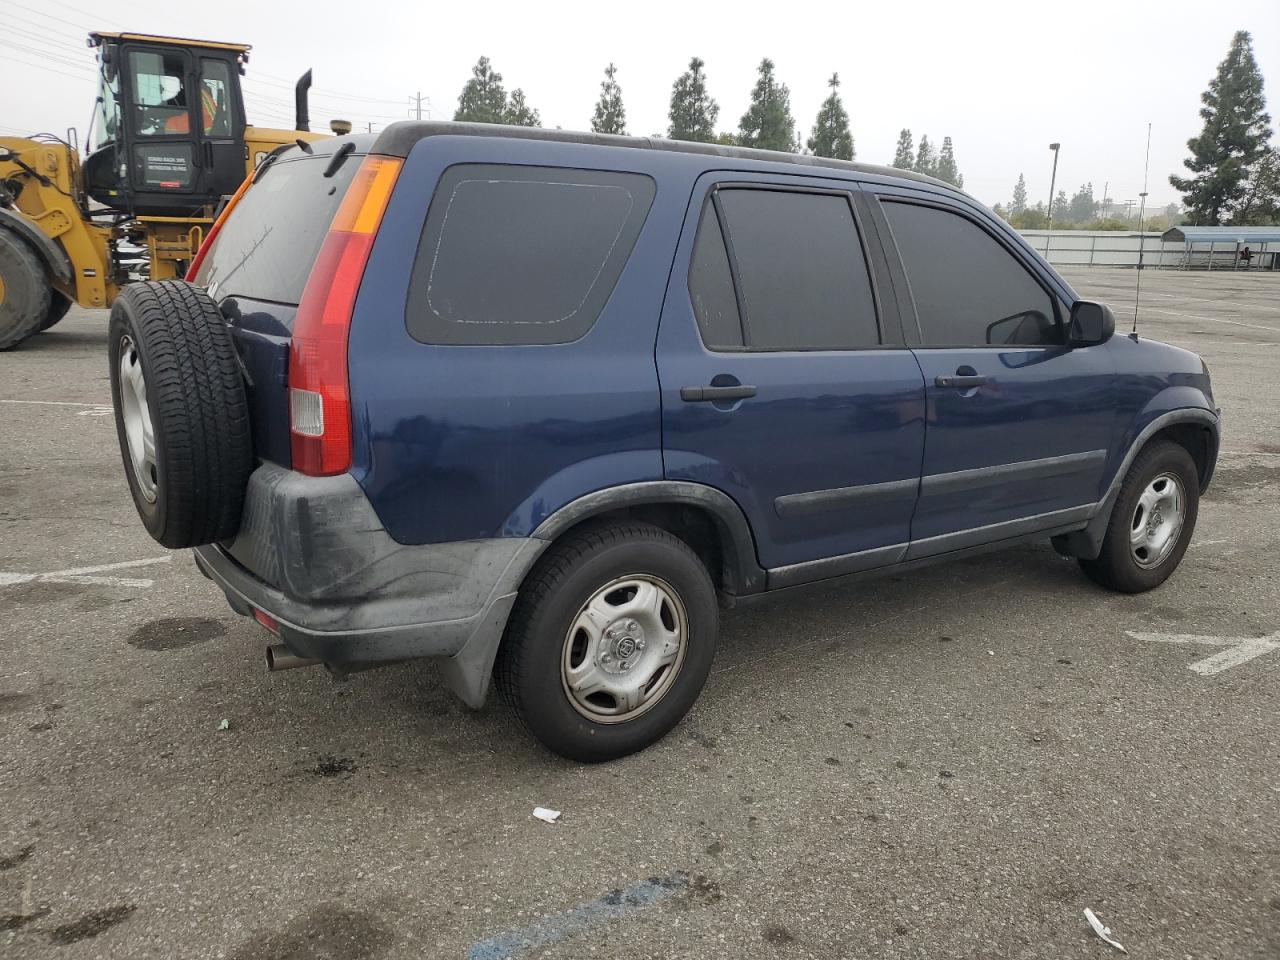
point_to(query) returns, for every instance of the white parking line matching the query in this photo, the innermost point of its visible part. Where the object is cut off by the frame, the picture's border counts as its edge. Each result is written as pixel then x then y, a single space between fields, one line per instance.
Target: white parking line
pixel 1196 316
pixel 86 575
pixel 56 403
pixel 1238 649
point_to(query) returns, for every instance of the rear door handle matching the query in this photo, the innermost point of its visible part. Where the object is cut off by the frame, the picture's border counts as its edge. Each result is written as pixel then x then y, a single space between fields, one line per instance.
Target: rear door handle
pixel 960 382
pixel 736 392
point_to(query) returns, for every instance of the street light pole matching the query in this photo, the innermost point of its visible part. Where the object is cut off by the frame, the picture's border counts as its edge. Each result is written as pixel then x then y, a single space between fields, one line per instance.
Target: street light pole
pixel 1053 180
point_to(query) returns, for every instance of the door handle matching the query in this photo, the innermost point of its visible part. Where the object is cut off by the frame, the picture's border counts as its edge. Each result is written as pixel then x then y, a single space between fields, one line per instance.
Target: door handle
pixel 960 381
pixel 738 391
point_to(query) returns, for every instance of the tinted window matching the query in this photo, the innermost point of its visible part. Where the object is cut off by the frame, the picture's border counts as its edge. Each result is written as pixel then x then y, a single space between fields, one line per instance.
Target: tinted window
pixel 802 276
pixel 711 285
pixel 968 289
pixel 522 254
pixel 269 242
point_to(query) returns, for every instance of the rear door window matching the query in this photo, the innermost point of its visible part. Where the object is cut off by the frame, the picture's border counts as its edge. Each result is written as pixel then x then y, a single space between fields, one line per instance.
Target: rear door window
pixel 268 244
pixel 801 279
pixel 522 255
pixel 968 290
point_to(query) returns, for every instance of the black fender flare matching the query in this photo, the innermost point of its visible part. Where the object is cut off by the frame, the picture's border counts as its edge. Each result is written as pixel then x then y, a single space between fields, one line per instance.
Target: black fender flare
pixel 1087 543
pixel 731 523
pixel 52 255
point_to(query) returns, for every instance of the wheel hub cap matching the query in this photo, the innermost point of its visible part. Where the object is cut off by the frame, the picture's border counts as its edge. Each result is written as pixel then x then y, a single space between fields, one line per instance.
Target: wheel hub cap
pixel 624 648
pixel 1157 521
pixel 136 415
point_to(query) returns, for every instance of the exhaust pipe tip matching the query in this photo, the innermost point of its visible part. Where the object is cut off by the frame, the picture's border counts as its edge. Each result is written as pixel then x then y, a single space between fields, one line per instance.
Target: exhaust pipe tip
pixel 279 658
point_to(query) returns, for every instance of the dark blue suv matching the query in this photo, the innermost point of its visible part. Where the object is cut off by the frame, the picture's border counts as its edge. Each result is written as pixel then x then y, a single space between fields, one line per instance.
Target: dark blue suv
pixel 536 403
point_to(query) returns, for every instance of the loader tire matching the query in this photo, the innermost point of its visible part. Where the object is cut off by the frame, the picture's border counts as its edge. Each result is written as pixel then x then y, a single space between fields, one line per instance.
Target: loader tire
pixel 24 291
pixel 58 307
pixel 182 417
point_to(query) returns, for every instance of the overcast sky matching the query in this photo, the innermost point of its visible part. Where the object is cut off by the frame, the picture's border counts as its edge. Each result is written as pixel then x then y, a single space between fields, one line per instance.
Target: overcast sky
pixel 1001 79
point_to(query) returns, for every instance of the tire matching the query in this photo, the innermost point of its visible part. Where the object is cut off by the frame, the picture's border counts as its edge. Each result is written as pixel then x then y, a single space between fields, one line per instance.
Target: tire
pixel 1138 555
pixel 24 291
pixel 174 368
pixel 58 307
pixel 542 649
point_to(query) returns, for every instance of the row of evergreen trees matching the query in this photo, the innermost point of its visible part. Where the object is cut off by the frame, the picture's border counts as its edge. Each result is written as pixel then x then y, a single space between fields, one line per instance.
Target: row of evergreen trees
pixel 767 124
pixel 923 160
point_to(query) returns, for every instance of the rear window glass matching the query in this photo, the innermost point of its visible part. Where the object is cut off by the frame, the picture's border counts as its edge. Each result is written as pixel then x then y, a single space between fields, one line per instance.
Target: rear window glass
pixel 268 244
pixel 522 255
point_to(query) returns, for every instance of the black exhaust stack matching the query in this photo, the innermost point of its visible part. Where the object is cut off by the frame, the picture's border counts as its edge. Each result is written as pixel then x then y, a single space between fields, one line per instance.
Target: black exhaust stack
pixel 301 113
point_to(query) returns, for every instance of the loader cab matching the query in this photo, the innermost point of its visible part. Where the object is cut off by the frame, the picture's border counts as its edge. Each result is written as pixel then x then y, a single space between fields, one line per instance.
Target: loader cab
pixel 169 128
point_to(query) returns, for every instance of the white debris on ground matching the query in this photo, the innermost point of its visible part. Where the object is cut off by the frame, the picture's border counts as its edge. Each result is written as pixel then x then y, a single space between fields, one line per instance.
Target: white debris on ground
pixel 546 815
pixel 1101 930
pixel 225 724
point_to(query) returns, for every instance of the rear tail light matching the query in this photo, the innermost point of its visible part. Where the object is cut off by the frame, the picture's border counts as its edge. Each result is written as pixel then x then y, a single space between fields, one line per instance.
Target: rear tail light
pixel 319 405
pixel 213 231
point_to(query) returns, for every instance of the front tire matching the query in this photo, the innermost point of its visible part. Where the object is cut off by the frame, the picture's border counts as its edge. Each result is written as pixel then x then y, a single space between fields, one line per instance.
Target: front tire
pixel 1151 523
pixel 610 641
pixel 24 291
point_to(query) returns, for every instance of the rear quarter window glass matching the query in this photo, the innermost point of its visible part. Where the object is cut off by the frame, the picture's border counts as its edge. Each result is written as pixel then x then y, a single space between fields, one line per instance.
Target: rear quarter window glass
pixel 522 255
pixel 268 244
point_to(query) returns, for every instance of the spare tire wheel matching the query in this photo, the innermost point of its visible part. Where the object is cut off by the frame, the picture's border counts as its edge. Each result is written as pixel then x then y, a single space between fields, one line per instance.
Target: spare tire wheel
pixel 182 417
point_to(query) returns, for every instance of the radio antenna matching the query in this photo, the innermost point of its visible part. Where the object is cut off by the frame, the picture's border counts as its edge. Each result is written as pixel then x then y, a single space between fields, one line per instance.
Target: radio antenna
pixel 1142 211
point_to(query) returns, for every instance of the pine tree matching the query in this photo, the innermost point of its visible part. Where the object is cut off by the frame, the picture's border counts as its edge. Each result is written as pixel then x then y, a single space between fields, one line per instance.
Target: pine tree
pixel 1058 210
pixel 767 124
pixel 925 162
pixel 831 136
pixel 610 115
pixel 1082 207
pixel 905 158
pixel 1233 142
pixel 693 113
pixel 519 113
pixel 1019 196
pixel 946 168
pixel 483 99
pixel 1261 203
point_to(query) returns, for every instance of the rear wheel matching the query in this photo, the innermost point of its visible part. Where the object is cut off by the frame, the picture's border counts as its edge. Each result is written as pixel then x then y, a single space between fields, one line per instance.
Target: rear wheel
pixel 24 291
pixel 1152 521
pixel 182 418
pixel 610 641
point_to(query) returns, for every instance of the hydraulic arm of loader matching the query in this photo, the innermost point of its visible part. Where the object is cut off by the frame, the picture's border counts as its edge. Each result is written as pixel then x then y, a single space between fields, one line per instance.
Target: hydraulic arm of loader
pixel 40 202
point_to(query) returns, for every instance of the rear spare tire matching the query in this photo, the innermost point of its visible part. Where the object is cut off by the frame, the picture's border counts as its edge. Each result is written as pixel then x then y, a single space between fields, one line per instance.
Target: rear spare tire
pixel 181 414
pixel 24 291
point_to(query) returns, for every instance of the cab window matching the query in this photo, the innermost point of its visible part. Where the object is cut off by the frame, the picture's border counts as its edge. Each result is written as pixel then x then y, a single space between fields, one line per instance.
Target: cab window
pixel 215 97
pixel 160 104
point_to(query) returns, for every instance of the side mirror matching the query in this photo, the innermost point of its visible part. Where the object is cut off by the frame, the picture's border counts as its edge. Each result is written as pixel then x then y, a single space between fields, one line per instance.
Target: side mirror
pixel 1092 323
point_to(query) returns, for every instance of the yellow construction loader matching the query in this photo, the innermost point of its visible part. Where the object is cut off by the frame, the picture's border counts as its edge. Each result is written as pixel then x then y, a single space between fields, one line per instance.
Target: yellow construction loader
pixel 168 141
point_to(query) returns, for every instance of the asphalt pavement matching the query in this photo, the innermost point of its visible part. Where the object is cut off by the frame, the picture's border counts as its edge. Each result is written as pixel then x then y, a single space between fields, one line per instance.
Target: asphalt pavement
pixel 951 763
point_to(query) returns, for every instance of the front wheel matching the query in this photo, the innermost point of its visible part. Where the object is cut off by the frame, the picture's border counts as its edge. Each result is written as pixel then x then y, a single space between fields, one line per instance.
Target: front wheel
pixel 1152 521
pixel 610 641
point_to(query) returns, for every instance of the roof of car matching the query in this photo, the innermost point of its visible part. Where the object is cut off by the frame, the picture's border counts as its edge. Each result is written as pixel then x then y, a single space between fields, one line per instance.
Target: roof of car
pixel 398 139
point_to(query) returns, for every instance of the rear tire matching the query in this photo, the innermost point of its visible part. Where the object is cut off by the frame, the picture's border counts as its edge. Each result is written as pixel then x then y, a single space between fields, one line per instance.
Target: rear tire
pixel 610 641
pixel 1151 523
pixel 182 418
pixel 24 291
pixel 58 307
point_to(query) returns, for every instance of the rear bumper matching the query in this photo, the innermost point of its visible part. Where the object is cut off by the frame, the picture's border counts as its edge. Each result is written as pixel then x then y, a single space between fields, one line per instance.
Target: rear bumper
pixel 312 555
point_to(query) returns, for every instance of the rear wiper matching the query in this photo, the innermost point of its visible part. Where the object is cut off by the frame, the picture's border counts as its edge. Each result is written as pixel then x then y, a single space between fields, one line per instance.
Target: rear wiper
pixel 339 158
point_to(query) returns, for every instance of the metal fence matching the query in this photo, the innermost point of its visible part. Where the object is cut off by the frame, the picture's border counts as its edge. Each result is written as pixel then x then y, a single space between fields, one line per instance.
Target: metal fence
pixel 1116 248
